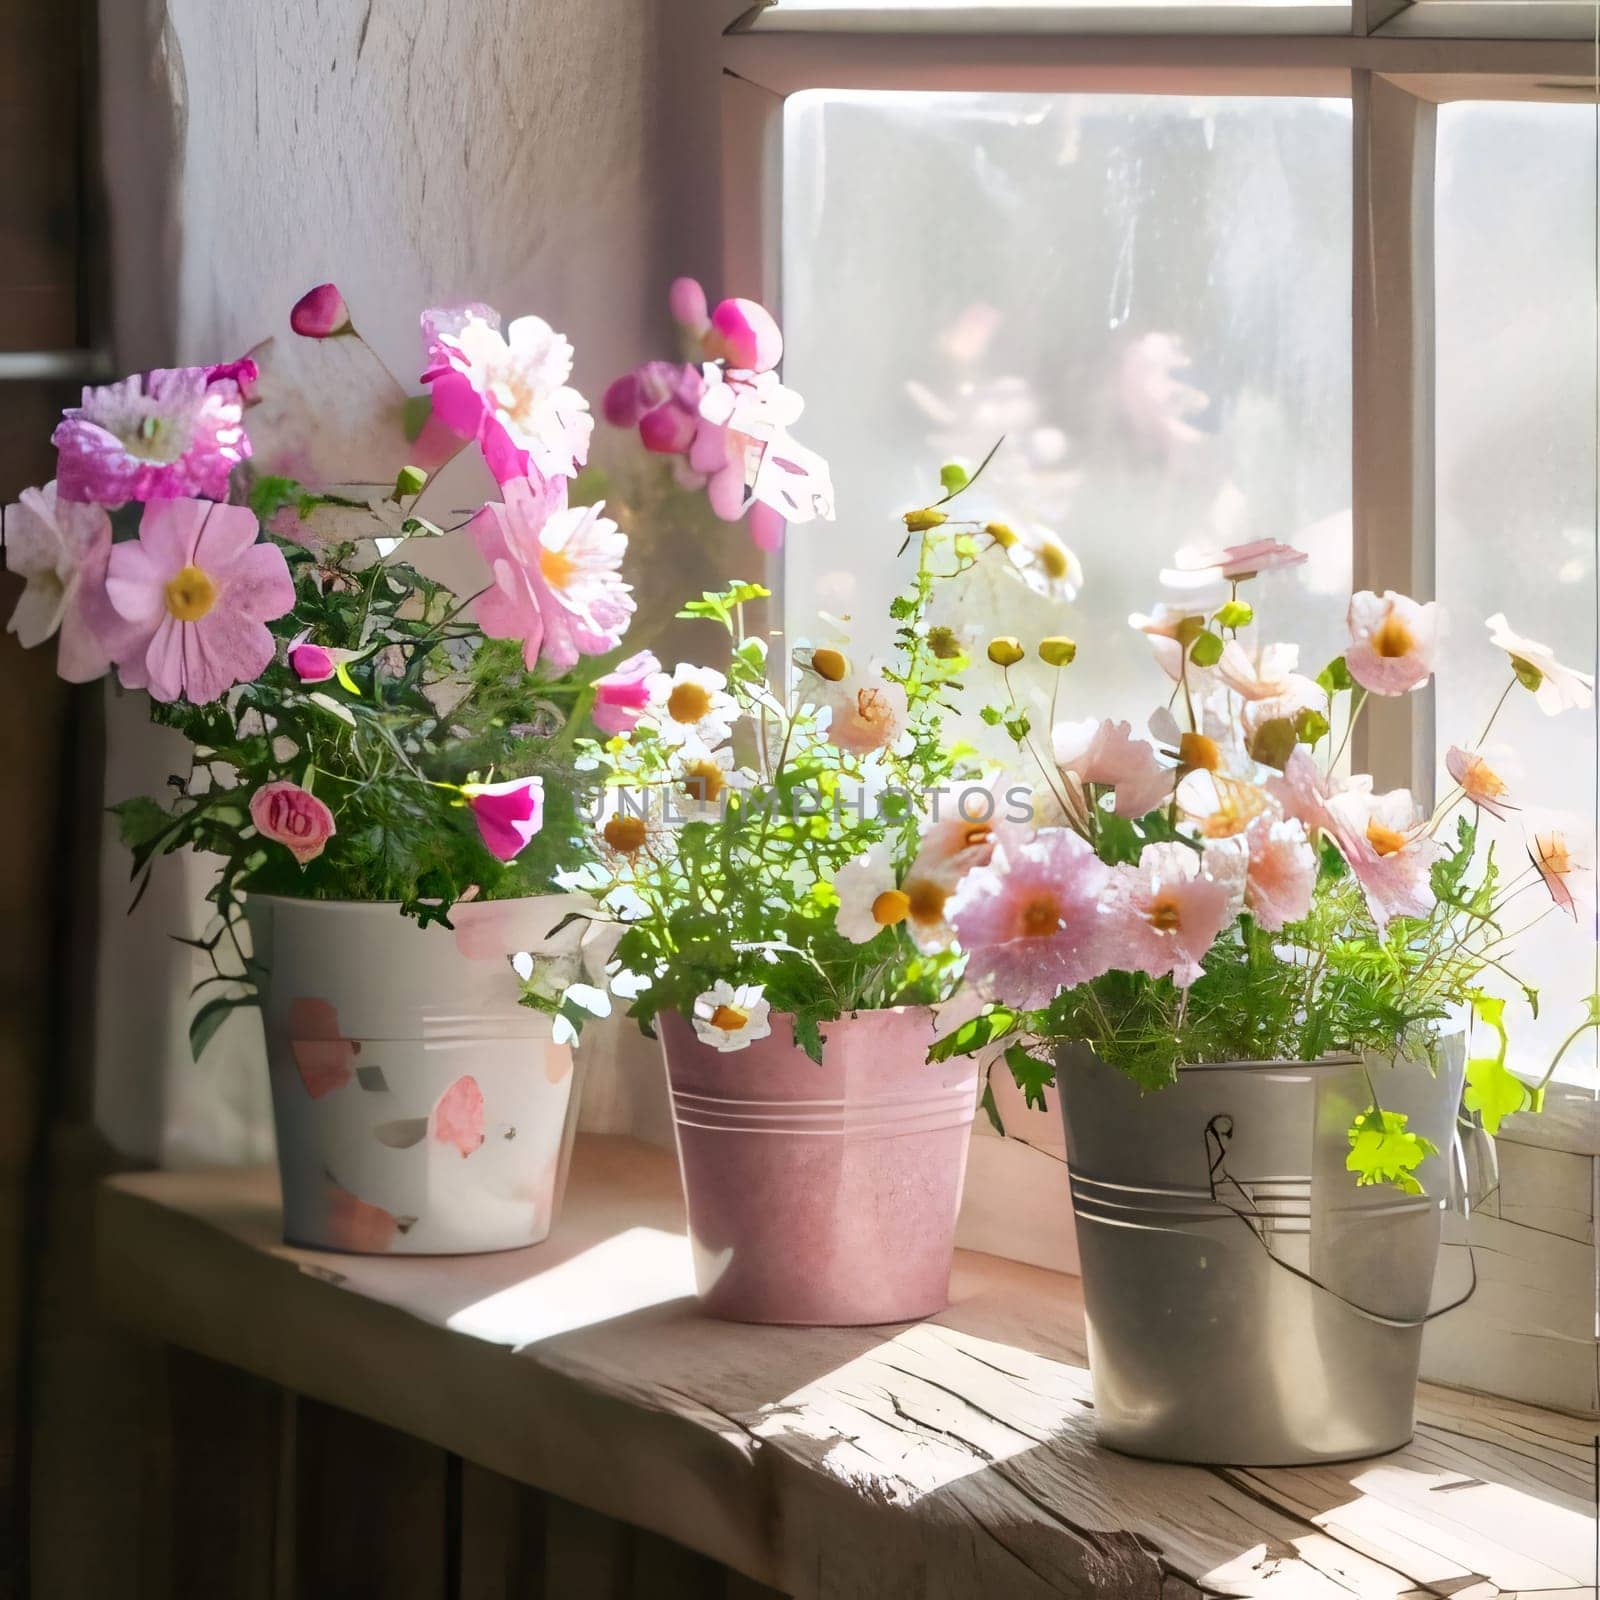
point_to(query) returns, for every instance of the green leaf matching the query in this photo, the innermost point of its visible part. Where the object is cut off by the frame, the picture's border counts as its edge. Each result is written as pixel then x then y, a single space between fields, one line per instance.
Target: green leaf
pixel 327 703
pixel 1335 677
pixel 342 672
pixel 1490 1009
pixel 1206 651
pixel 271 493
pixel 720 605
pixel 953 477
pixel 1033 1075
pixel 1235 614
pixel 993 1024
pixel 1493 1091
pixel 808 1035
pixel 140 821
pixel 205 1022
pixel 1382 1150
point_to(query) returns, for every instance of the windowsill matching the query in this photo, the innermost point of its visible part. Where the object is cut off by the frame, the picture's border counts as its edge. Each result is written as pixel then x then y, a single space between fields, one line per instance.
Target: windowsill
pixel 821 1460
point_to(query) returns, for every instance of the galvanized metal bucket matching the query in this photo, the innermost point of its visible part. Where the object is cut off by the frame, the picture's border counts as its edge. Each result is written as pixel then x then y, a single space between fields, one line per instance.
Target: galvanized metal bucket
pixel 1247 1304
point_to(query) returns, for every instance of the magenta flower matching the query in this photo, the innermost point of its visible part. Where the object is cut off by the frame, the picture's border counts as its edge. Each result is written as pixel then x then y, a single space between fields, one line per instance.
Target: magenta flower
pixel 1106 753
pixel 1392 641
pixel 293 817
pixel 176 431
pixel 623 694
pixel 508 392
pixel 557 584
pixel 321 313
pixel 244 374
pixel 687 302
pixel 61 549
pixel 1164 914
pixel 1030 920
pixel 508 814
pixel 312 663
pixel 662 400
pixel 198 590
pixel 745 335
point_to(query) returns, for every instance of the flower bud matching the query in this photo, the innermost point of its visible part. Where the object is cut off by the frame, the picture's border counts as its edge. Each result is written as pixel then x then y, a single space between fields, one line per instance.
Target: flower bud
pixel 409 481
pixel 923 520
pixel 625 833
pixel 1058 650
pixel 293 817
pixel 1005 651
pixel 1001 534
pixel 321 313
pixel 1198 753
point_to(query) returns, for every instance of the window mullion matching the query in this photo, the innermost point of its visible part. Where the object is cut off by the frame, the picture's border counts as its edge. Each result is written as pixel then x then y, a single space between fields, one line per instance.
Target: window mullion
pixel 1392 433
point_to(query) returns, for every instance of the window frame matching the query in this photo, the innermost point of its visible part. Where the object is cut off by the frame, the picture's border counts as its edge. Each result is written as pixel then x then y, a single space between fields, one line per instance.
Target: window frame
pixel 1399 61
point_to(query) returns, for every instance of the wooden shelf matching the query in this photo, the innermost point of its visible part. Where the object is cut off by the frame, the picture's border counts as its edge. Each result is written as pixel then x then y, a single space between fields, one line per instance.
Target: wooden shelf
pixel 951 1458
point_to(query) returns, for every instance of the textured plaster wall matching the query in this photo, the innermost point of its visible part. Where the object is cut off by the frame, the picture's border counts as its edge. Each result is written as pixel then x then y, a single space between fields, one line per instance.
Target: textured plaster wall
pixel 557 156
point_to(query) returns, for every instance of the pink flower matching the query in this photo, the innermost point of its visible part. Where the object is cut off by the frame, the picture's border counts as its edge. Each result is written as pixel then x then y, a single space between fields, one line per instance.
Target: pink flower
pixel 1164 914
pixel 244 374
pixel 1170 630
pixel 1233 564
pixel 508 814
pixel 1304 791
pixel 509 392
pixel 1552 856
pixel 173 432
pixel 744 335
pixel 293 817
pixel 1283 871
pixel 61 548
pixel 1385 844
pixel 321 313
pixel 1481 784
pixel 662 400
pixel 1030 920
pixel 557 586
pixel 622 695
pixel 312 663
pixel 964 837
pixel 687 302
pixel 869 713
pixel 1106 753
pixel 198 590
pixel 1392 641
pixel 766 527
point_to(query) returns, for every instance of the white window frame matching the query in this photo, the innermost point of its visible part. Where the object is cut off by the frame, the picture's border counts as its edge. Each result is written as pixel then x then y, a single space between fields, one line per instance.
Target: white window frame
pixel 1397 63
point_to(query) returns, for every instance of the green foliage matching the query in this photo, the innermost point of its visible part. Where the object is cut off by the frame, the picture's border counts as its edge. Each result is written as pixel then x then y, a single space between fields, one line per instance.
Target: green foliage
pixel 1382 1150
pixel 1033 1074
pixel 1206 651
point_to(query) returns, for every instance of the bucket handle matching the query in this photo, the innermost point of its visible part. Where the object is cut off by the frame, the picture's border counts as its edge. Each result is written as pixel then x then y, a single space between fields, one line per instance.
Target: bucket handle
pixel 1219 1132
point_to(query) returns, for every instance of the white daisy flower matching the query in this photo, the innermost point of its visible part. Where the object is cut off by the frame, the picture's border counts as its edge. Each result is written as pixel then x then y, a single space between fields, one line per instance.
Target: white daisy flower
pixel 1041 558
pixel 691 703
pixel 702 779
pixel 869 899
pixel 729 1018
pixel 1556 688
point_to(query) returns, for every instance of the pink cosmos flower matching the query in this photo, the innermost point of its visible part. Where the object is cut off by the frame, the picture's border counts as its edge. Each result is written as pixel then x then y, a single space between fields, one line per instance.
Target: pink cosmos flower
pixel 1304 791
pixel 1392 641
pixel 1030 920
pixel 293 817
pixel 1193 567
pixel 1106 753
pixel 965 836
pixel 623 694
pixel 1164 914
pixel 1385 843
pixel 1481 784
pixel 1552 856
pixel 1282 873
pixel 198 591
pixel 869 712
pixel 61 548
pixel 174 432
pixel 508 814
pixel 509 392
pixel 557 584
pixel 321 313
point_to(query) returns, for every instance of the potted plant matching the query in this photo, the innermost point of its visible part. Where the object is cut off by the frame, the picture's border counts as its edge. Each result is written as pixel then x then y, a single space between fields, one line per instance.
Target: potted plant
pixel 381 767
pixel 1246 972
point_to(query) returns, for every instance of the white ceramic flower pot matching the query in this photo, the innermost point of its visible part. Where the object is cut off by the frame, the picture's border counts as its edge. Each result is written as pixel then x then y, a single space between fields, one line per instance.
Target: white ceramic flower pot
pixel 419 1108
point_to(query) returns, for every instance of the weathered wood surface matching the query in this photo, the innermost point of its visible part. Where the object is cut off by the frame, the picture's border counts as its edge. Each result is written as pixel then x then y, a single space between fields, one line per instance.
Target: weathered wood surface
pixel 950 1458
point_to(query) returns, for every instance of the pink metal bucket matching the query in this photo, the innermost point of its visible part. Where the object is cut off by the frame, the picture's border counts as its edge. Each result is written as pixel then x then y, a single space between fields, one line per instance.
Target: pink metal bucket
pixel 824 1194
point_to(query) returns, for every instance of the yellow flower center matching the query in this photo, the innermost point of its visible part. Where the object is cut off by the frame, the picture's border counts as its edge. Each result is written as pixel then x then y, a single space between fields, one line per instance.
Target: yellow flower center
pixel 688 703
pixel 1041 916
pixel 556 567
pixel 1054 559
pixel 510 393
pixel 625 833
pixel 1554 856
pixel 190 595
pixel 890 907
pixel 1001 534
pixel 829 664
pixel 1199 753
pixel 1165 915
pixel 1393 639
pixel 925 899
pixel 729 1018
pixel 1386 841
pixel 703 780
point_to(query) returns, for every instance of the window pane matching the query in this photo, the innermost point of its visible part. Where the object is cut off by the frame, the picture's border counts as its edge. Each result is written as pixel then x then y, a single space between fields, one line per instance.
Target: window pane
pixel 1148 296
pixel 1516 482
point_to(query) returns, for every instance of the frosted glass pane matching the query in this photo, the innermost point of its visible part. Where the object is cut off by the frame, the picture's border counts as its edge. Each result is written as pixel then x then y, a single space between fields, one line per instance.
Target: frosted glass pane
pixel 960 266
pixel 1516 475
